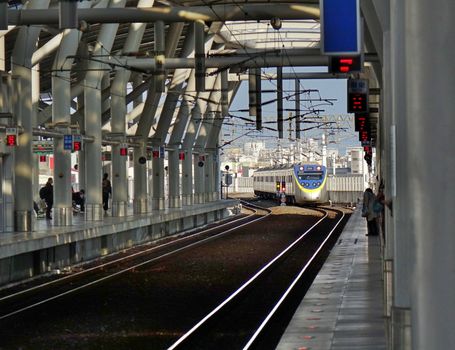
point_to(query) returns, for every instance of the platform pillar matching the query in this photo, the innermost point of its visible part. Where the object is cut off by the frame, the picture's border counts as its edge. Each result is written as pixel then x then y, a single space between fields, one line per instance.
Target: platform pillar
pixel 174 179
pixel 158 183
pixel 430 125
pixel 140 201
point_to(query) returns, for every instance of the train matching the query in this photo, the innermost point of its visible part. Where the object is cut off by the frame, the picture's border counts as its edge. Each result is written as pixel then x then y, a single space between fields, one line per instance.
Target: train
pixel 301 183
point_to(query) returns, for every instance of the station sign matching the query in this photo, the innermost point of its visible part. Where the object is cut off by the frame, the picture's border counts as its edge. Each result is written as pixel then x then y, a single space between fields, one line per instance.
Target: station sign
pixel 68 142
pixel 161 152
pixel 340 27
pixel 43 147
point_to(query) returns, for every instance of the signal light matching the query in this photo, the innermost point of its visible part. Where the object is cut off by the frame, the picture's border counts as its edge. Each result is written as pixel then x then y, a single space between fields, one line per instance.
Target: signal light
pixel 11 140
pixel 77 143
pixel 123 151
pixel 77 146
pixel 155 154
pixel 182 157
pixel 42 159
pixel 11 137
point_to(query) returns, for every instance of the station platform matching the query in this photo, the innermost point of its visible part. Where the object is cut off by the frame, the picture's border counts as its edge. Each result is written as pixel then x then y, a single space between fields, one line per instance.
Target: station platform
pixel 48 247
pixel 343 309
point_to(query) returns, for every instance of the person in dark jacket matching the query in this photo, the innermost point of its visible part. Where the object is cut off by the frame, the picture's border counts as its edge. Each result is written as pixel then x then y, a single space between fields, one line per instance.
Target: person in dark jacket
pixel 107 191
pixel 79 199
pixel 48 196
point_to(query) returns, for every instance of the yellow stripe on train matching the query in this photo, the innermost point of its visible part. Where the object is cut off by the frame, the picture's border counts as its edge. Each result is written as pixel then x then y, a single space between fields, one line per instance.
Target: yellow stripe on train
pixel 306 190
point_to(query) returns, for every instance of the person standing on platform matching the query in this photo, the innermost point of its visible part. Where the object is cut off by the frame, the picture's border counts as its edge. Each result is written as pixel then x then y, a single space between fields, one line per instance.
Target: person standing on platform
pixel 107 191
pixel 368 212
pixel 47 193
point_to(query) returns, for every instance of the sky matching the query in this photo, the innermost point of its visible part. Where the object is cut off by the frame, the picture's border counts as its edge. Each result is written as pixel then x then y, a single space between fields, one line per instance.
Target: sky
pixel 333 110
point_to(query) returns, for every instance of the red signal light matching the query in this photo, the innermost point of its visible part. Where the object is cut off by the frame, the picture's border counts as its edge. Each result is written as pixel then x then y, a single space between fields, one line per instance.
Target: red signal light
pixel 77 146
pixel 156 154
pixel 11 140
pixel 42 159
pixel 123 151
pixel 182 156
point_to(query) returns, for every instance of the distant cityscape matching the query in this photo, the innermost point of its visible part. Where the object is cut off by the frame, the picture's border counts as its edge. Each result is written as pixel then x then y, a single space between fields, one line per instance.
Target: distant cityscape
pixel 243 161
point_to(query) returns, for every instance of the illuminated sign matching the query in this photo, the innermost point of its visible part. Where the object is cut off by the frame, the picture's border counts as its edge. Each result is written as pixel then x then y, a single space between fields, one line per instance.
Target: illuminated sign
pixel 11 137
pixel 361 122
pixel 77 143
pixel 43 147
pixel 344 64
pixel 123 150
pixel 357 96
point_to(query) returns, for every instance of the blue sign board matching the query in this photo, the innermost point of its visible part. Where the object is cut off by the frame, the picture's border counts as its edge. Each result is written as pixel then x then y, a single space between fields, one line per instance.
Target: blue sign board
pixel 340 27
pixel 161 152
pixel 68 142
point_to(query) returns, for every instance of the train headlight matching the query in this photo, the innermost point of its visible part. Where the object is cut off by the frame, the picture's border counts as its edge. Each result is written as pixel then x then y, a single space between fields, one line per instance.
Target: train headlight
pixel 306 184
pixel 318 168
pixel 301 168
pixel 318 184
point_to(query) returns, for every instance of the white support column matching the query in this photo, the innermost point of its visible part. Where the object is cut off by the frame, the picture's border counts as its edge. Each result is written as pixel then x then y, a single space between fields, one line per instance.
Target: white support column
pixel 140 202
pixel 200 154
pixel 93 112
pixel 35 98
pixel 398 188
pixel 173 155
pixel 118 116
pixel 191 134
pixel 199 178
pixel 187 166
pixel 148 118
pixel 158 182
pixel 428 200
pixel 158 139
pixel 2 53
pixel 24 114
pixel 61 107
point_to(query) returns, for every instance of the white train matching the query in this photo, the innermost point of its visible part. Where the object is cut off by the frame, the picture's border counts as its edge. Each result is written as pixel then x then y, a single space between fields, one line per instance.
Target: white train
pixel 300 183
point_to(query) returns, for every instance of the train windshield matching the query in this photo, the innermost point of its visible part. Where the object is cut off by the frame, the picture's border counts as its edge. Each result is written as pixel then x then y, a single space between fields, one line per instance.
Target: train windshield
pixel 316 175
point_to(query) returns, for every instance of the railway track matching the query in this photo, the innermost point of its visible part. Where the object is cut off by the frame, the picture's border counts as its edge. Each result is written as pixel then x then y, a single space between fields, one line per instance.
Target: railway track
pixel 262 314
pixel 23 299
pixel 149 297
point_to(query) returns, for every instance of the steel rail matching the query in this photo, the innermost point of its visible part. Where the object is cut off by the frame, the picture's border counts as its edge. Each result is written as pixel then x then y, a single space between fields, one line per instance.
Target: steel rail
pixel 125 270
pixel 291 286
pixel 143 252
pixel 243 287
